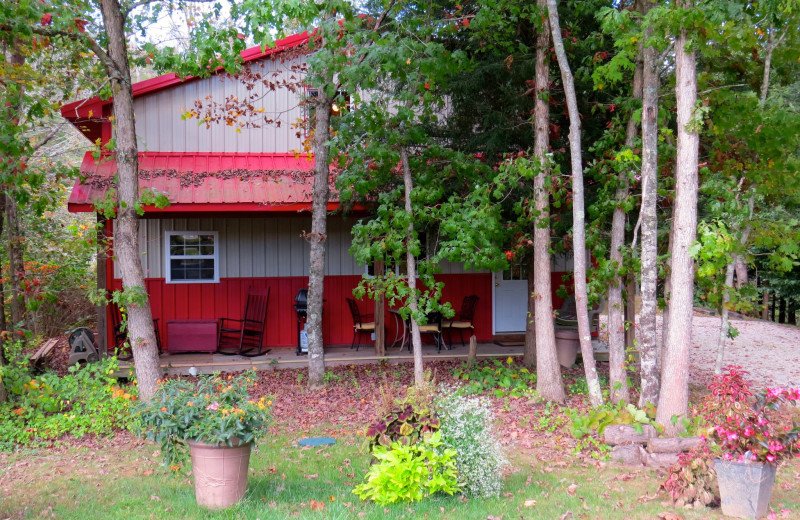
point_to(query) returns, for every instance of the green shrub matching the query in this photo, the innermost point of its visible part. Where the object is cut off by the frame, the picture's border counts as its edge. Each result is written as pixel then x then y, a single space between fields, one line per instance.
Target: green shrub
pixel 410 472
pixel 85 401
pixel 498 378
pixel 598 418
pixel 466 428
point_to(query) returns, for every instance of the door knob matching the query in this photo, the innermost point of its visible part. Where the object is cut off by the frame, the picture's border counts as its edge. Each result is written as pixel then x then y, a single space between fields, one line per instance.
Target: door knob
pixel 497 285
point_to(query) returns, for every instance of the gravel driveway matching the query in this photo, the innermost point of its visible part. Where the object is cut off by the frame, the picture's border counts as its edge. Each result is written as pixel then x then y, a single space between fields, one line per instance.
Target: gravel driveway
pixel 770 352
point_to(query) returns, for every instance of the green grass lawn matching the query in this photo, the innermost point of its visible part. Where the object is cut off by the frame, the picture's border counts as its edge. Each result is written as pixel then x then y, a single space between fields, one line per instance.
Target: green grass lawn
pixel 125 480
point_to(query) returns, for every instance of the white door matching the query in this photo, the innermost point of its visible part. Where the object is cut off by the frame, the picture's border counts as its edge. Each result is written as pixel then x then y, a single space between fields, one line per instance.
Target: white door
pixel 510 300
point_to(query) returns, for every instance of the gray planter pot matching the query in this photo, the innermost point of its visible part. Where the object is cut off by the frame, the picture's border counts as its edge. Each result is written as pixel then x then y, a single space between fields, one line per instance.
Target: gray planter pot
pixel 744 488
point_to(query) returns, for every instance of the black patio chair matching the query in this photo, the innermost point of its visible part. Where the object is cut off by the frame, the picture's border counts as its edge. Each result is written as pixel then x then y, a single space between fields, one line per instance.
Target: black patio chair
pixel 463 319
pixel 362 323
pixel 434 328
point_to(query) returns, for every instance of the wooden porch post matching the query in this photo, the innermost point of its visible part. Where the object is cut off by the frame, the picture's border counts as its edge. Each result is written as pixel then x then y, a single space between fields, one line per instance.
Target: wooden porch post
pixel 102 309
pixel 380 318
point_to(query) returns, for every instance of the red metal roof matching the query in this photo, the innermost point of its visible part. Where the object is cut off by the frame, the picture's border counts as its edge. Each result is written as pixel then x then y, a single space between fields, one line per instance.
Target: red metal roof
pixel 207 182
pixel 87 114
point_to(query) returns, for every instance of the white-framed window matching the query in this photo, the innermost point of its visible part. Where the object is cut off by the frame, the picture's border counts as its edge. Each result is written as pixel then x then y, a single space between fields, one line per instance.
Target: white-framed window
pixel 192 256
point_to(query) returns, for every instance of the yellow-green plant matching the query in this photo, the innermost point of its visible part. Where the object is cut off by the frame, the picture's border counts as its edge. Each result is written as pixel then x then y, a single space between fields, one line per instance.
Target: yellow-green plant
pixel 410 472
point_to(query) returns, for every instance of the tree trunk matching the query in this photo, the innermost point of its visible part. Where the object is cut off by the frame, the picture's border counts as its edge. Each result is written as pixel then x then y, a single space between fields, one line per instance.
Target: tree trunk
pixel 724 326
pixel 792 312
pixel 618 377
pixel 578 214
pixel 411 263
pixel 317 239
pixel 630 312
pixel 774 298
pixel 674 398
pixel 741 272
pixel 3 325
pixel 3 321
pixel 646 334
pixel 548 372
pixel 16 264
pixel 765 301
pixel 782 310
pixel 141 333
pixel 529 357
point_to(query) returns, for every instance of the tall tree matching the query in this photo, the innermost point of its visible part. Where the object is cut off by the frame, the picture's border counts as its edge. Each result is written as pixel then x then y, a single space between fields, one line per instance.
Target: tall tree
pixel 648 348
pixel 319 220
pixel 579 218
pixel 674 398
pixel 141 332
pixel 548 372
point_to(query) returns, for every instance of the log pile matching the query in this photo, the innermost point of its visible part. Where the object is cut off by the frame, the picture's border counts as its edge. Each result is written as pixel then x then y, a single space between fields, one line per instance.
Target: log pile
pixel 635 448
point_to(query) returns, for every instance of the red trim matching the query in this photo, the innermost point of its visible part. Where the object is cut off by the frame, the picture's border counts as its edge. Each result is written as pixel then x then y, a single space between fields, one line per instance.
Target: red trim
pixel 217 208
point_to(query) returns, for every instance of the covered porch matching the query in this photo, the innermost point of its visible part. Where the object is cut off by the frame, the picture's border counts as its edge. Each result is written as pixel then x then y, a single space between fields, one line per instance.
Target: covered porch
pixel 336 355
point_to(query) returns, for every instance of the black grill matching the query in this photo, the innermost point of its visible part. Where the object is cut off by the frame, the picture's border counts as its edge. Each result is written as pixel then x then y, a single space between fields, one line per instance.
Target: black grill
pixel 300 307
pixel 301 303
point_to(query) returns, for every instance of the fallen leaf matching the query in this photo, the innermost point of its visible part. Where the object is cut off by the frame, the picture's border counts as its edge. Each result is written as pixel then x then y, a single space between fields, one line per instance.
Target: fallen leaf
pixel 317 505
pixel 147 472
pixel 529 503
pixel 668 515
pixel 571 490
pixel 313 475
pixel 566 515
pixel 154 498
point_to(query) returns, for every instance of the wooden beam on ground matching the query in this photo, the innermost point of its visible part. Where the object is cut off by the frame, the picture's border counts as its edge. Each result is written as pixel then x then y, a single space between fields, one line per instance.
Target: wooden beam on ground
pixel 43 354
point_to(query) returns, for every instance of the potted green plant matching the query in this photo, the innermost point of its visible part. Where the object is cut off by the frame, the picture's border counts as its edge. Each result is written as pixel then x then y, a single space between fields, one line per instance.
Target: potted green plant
pixel 216 420
pixel 753 434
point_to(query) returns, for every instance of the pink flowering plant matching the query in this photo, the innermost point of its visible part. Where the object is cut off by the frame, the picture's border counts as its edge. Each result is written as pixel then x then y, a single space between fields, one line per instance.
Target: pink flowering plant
pixel 213 410
pixel 748 426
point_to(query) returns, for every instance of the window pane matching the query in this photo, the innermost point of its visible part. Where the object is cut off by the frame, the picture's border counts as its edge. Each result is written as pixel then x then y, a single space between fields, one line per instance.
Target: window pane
pixel 184 257
pixel 190 269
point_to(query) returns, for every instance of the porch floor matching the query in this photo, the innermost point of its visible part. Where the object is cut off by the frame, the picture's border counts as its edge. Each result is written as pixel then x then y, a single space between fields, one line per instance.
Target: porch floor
pixel 282 357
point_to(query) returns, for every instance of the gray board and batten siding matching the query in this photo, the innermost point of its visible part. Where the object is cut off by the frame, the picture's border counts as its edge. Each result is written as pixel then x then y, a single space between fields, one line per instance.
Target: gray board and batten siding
pixel 160 125
pixel 264 246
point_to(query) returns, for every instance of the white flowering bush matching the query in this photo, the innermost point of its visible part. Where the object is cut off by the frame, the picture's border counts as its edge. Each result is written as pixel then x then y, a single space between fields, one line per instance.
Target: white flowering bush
pixel 467 428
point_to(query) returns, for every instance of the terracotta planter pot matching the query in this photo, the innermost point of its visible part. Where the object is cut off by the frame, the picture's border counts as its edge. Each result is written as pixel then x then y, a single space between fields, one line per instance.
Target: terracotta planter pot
pixel 744 488
pixel 567 346
pixel 220 473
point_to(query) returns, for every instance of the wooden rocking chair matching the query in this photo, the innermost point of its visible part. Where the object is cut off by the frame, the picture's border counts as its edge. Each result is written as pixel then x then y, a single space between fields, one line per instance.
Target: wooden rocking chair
pixel 243 336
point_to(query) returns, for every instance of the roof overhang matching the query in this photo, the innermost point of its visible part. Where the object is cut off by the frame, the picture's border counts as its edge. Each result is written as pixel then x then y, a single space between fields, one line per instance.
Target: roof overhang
pixel 207 182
